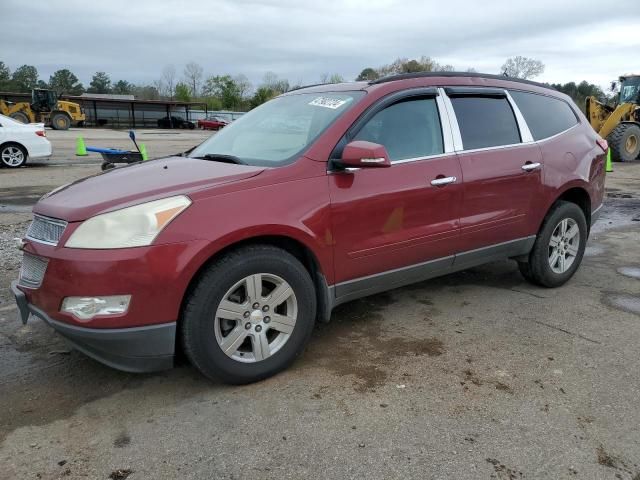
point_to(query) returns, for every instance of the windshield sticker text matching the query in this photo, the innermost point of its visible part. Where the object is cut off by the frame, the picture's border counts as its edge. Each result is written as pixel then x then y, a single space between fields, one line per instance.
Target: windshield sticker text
pixel 332 103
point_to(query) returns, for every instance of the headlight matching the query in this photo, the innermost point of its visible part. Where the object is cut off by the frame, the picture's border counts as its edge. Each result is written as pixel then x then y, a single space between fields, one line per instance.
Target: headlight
pixel 135 226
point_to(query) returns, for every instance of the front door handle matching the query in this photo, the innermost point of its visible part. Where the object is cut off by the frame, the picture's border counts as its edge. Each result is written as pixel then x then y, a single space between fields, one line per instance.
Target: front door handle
pixel 441 181
pixel 527 167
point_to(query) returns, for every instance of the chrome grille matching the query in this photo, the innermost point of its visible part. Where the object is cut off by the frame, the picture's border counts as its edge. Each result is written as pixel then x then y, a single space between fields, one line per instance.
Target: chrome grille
pixel 46 230
pixel 32 271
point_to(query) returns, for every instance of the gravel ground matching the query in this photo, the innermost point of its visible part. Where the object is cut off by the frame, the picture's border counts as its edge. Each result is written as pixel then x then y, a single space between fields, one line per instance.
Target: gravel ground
pixel 474 375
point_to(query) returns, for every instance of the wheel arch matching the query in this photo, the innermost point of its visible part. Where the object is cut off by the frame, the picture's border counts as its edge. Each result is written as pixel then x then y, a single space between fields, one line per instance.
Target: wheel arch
pixel 580 196
pixel 296 247
pixel 13 142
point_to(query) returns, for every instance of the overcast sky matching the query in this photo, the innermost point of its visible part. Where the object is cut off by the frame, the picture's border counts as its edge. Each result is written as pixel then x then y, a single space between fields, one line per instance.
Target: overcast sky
pixel 300 39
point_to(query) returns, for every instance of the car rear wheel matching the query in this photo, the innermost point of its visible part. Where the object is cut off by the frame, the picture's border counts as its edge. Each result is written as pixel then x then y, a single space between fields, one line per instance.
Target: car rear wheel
pixel 13 155
pixel 249 316
pixel 559 246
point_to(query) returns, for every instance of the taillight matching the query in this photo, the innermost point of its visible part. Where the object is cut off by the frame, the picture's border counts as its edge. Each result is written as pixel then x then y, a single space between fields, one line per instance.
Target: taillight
pixel 602 143
pixel 41 133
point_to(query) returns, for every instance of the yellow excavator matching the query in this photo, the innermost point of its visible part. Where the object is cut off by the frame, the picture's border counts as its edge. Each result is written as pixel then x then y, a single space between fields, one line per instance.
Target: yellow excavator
pixel 45 108
pixel 620 125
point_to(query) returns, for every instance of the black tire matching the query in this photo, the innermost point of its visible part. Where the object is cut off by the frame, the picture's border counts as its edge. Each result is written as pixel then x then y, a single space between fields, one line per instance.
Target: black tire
pixel 198 316
pixel 624 142
pixel 20 117
pixel 60 121
pixel 191 126
pixel 7 155
pixel 538 270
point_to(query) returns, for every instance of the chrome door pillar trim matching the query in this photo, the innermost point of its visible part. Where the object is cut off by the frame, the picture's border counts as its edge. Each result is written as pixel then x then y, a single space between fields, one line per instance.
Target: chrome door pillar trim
pixel 453 121
pixel 525 133
pixel 445 125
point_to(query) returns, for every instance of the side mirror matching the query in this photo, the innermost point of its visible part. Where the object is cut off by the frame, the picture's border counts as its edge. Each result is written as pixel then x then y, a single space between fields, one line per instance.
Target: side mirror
pixel 361 154
pixel 132 135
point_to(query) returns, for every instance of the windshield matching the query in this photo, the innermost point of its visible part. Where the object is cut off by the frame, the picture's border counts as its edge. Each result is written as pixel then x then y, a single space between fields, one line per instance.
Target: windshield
pixel 629 90
pixel 277 131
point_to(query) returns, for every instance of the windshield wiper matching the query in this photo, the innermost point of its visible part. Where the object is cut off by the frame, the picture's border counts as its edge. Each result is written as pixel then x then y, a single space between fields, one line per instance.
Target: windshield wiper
pixel 218 157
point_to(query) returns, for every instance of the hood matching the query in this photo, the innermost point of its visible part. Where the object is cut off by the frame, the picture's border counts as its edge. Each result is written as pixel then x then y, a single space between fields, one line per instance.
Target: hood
pixel 138 183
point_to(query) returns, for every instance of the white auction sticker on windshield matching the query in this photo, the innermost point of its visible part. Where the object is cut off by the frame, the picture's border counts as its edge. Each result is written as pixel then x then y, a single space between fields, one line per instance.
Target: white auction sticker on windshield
pixel 327 102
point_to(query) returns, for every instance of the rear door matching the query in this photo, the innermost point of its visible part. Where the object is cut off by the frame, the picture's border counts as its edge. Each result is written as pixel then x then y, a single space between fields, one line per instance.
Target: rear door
pixel 392 225
pixel 501 169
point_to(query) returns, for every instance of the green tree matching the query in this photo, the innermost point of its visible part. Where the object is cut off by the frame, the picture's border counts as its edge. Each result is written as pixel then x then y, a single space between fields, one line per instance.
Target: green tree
pixel 368 74
pixel 5 77
pixel 100 83
pixel 25 78
pixel 224 88
pixel 183 92
pixel 262 94
pixel 522 67
pixel 64 81
pixel 122 87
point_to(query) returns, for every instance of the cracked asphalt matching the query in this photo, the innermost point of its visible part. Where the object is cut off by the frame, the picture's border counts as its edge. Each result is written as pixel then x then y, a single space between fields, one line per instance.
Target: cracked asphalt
pixel 469 376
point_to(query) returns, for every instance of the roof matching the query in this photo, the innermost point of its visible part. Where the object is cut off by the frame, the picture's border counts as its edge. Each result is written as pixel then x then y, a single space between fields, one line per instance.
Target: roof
pixel 404 76
pixel 108 96
pixel 350 86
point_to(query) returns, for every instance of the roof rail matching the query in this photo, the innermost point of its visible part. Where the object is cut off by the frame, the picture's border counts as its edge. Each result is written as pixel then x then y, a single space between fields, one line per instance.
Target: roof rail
pixel 403 76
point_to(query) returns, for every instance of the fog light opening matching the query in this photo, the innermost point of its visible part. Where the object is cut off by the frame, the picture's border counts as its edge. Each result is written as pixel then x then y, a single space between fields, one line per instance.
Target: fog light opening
pixel 85 308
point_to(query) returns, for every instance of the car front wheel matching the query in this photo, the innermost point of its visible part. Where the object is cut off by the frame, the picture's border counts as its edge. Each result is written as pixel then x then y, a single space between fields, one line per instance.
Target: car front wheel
pixel 559 246
pixel 249 316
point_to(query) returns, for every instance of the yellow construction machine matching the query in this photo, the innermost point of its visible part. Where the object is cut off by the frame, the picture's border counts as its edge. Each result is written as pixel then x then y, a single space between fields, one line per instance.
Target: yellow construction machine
pixel 45 108
pixel 620 125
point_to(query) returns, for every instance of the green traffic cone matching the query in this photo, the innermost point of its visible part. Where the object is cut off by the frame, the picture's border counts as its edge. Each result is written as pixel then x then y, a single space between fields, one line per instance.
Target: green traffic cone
pixel 609 164
pixel 143 152
pixel 81 149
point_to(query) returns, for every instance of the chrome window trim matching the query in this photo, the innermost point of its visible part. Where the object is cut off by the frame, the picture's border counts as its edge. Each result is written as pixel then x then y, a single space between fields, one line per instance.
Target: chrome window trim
pixel 523 128
pixel 525 133
pixel 55 221
pixel 398 162
pixel 558 134
pixel 445 130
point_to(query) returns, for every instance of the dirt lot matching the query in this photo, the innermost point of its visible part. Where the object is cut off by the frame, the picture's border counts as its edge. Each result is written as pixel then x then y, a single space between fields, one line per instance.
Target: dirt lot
pixel 474 375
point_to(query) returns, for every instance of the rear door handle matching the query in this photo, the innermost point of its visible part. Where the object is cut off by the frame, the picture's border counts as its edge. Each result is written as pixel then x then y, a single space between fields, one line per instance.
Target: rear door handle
pixel 439 182
pixel 527 167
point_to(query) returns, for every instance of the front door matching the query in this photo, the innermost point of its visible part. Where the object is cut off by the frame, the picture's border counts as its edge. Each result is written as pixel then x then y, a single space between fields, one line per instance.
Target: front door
pixel 392 226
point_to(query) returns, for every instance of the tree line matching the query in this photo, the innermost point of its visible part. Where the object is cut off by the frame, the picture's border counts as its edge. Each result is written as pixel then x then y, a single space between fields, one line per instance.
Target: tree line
pixel 238 93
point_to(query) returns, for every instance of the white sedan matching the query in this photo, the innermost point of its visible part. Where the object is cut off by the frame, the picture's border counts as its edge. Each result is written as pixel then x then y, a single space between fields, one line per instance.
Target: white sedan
pixel 19 142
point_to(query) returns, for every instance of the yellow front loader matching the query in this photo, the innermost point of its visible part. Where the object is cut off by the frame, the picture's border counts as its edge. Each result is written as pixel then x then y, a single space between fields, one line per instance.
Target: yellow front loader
pixel 45 108
pixel 620 125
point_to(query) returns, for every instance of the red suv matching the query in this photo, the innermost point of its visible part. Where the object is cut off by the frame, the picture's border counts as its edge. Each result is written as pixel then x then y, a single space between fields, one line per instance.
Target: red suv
pixel 323 195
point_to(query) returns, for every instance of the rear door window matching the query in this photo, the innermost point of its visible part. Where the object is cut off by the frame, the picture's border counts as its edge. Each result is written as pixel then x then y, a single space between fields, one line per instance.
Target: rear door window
pixel 407 129
pixel 485 122
pixel 545 116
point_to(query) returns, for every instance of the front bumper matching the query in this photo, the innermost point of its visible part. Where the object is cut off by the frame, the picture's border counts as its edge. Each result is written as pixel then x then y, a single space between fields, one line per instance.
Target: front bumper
pixel 137 349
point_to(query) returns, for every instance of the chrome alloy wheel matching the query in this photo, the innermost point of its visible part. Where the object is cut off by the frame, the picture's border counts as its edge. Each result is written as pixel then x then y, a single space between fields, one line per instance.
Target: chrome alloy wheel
pixel 256 317
pixel 564 245
pixel 12 156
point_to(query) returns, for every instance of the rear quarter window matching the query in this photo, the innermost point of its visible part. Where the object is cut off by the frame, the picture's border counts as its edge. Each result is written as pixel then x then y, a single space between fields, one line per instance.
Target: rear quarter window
pixel 545 116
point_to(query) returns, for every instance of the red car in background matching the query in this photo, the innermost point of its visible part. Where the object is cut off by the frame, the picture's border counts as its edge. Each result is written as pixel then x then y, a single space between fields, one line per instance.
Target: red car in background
pixel 212 123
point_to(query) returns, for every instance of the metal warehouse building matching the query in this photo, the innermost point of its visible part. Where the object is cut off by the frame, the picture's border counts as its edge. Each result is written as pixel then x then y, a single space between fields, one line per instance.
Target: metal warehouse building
pixel 123 111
